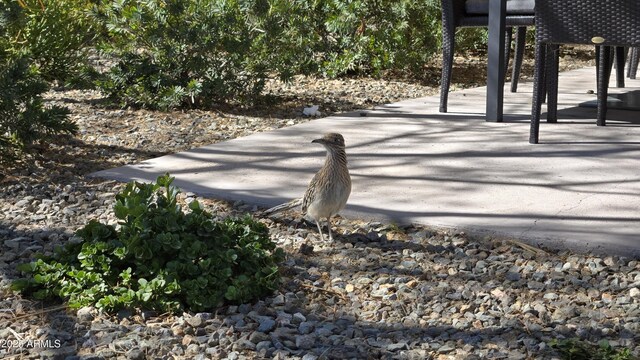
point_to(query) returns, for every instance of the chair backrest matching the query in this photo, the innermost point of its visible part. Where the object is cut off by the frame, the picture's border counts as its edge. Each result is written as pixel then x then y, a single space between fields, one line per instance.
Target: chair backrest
pixel 519 13
pixel 608 22
pixel 452 11
pixel 514 7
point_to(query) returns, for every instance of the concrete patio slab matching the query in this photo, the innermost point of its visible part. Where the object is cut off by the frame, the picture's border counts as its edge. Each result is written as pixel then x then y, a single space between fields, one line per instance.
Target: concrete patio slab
pixel 578 189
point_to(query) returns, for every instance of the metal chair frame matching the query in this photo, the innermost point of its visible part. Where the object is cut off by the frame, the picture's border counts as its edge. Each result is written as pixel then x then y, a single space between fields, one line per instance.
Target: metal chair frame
pixel 454 17
pixel 580 22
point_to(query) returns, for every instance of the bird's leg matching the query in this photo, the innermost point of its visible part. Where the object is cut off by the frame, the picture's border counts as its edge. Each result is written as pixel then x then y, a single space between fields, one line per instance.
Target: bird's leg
pixel 320 231
pixel 329 228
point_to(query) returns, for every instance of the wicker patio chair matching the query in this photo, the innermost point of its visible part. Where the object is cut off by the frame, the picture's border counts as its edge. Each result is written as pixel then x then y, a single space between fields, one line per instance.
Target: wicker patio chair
pixel 474 13
pixel 609 24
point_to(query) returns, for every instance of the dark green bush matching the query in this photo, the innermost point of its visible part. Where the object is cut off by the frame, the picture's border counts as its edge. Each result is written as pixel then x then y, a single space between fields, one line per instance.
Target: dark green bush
pixel 24 119
pixel 178 53
pixel 371 36
pixel 363 37
pixel 159 258
pixel 289 36
pixel 39 42
pixel 54 34
pixel 336 37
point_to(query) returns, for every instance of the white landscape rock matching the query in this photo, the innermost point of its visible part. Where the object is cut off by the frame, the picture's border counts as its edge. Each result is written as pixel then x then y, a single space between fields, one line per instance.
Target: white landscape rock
pixel 312 111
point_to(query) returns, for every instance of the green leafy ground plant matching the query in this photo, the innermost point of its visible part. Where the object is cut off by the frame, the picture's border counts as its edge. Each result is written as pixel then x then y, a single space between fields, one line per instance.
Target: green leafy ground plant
pixel 159 258
pixel 575 349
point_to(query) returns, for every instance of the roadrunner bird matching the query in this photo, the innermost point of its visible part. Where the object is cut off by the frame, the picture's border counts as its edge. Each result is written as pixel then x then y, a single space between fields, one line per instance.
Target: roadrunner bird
pixel 329 189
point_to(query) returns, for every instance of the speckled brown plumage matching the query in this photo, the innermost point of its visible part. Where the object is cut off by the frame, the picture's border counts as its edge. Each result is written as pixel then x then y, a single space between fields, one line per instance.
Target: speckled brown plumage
pixel 330 187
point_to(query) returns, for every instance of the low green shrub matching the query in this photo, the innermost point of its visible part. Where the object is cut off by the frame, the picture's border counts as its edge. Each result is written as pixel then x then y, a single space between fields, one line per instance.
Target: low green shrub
pixel 39 42
pixel 173 53
pixel 159 258
pixel 372 36
pixel 165 54
pixel 54 34
pixel 362 37
pixel 337 37
pixel 24 119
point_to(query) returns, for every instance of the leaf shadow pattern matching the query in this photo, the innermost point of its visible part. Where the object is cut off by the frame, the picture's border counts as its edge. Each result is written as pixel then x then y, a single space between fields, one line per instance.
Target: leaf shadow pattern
pixel 447 295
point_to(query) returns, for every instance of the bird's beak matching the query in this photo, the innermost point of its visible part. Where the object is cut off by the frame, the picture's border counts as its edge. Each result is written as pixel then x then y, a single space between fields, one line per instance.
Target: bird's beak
pixel 319 141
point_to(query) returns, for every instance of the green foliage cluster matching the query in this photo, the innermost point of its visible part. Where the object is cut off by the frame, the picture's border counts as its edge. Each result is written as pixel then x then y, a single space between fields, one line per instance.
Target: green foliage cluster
pixel 159 258
pixel 175 54
pixel 24 119
pixel 54 34
pixel 574 349
pixel 338 37
pixel 39 42
pixel 172 53
pixel 386 34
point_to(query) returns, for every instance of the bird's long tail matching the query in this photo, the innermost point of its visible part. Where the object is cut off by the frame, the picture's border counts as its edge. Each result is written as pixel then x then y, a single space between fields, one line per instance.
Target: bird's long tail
pixel 282 207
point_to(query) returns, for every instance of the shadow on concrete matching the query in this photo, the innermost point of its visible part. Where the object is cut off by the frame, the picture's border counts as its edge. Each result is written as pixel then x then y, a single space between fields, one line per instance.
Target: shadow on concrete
pixel 411 156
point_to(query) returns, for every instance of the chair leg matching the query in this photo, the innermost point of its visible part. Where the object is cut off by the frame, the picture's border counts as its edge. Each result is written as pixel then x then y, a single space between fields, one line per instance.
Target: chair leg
pixel 628 56
pixel 538 92
pixel 553 58
pixel 545 77
pixel 604 73
pixel 598 52
pixel 612 55
pixel 521 37
pixel 508 35
pixel 448 44
pixel 620 61
pixel 633 63
pixel 544 87
pixel 608 66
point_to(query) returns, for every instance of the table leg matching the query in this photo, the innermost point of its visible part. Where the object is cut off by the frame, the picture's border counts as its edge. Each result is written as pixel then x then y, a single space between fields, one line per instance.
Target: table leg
pixel 495 67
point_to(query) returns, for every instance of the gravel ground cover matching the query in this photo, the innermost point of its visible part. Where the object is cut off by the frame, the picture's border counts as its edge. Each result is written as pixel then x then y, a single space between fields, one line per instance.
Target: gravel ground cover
pixel 377 291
